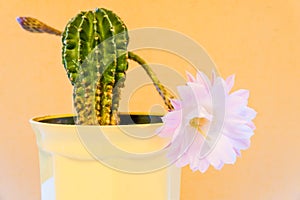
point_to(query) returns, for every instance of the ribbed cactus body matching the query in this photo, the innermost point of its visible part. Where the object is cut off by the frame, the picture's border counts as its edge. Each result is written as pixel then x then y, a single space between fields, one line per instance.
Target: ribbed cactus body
pixel 95 58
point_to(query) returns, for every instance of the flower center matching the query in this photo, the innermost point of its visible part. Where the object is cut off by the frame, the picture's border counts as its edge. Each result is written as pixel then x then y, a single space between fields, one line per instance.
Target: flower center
pixel 198 123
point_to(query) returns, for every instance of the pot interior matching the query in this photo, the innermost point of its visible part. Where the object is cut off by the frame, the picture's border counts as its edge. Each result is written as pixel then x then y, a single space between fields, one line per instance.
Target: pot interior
pixel 125 119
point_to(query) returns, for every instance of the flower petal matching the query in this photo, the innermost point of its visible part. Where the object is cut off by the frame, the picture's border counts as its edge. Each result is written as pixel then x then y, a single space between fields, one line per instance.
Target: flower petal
pixel 229 82
pixel 241 93
pixel 176 104
pixel 190 77
pixel 202 79
pixel 171 122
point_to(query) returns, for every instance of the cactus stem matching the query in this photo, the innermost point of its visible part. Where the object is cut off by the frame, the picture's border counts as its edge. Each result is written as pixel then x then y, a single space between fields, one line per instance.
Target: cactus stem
pixel 33 25
pixel 167 96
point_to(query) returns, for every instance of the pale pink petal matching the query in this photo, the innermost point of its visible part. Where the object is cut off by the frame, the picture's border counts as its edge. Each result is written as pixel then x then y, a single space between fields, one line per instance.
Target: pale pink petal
pixel 237 151
pixel 241 144
pixel 213 77
pixel 238 132
pixel 196 145
pixel 228 155
pixel 249 113
pixel 201 94
pixel 229 82
pixel 182 161
pixel 176 104
pixel 235 104
pixel 251 125
pixel 202 79
pixel 187 96
pixel 188 139
pixel 214 161
pixel 223 153
pixel 171 122
pixel 241 93
pixel 203 165
pixel 190 77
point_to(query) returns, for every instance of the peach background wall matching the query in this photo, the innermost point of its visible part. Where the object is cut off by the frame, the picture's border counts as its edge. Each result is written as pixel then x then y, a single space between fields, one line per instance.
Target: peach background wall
pixel 257 40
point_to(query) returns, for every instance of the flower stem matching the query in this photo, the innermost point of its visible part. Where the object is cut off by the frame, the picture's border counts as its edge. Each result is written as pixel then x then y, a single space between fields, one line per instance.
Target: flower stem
pixel 167 96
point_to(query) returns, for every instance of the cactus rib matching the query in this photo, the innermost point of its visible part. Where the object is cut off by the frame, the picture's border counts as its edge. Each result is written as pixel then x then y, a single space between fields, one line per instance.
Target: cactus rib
pixel 76 59
pixel 121 37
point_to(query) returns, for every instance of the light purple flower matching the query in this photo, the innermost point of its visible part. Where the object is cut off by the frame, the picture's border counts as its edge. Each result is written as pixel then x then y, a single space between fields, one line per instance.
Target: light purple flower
pixel 194 117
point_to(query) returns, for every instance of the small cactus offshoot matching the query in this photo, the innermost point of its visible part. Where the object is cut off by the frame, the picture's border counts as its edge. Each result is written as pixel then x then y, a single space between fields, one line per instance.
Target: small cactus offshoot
pixel 95 55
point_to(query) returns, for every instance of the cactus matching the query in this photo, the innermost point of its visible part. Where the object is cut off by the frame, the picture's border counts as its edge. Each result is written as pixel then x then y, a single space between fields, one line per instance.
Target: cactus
pixel 94 54
pixel 94 51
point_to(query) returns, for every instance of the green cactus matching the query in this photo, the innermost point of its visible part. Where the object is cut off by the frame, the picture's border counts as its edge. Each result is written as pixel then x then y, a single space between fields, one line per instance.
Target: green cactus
pixel 95 57
pixel 94 49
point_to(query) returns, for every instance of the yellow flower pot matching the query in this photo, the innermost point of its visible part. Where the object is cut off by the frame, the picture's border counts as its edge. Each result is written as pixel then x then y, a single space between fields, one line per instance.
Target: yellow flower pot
pixel 104 162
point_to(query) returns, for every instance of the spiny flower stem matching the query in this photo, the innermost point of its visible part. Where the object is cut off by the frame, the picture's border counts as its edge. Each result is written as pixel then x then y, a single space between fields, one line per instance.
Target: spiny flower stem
pixel 36 26
pixel 159 87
